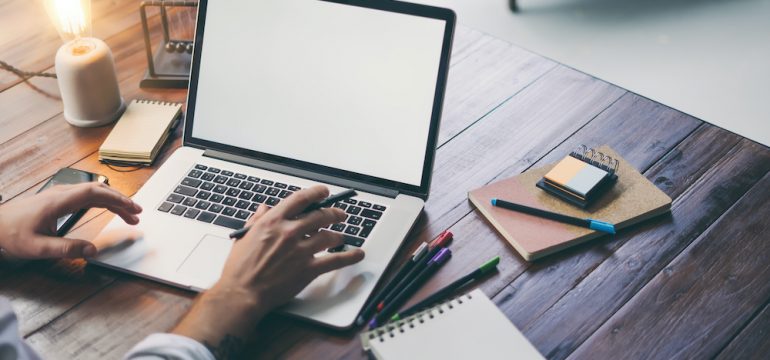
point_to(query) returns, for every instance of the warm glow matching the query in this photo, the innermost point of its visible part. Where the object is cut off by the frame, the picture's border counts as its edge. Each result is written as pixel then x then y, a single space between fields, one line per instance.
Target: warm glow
pixel 70 17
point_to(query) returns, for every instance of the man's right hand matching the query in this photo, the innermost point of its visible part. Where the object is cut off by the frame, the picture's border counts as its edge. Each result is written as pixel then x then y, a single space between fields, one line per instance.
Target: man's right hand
pixel 266 268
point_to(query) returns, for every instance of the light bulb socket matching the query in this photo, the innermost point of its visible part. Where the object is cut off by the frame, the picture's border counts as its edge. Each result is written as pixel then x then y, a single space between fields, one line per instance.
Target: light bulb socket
pixel 88 83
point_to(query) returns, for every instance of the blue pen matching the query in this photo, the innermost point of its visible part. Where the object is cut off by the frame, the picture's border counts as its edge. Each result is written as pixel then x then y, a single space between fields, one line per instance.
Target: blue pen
pixel 587 223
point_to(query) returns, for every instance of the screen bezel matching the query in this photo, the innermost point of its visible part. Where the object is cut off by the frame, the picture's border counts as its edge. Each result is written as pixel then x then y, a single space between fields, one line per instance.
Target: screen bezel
pixel 421 190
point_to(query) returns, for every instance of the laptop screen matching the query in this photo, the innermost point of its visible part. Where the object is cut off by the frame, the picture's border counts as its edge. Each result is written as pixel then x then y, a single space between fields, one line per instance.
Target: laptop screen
pixel 345 87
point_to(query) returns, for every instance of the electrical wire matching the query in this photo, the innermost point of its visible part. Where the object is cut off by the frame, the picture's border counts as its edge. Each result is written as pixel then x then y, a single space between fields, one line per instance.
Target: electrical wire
pixel 25 74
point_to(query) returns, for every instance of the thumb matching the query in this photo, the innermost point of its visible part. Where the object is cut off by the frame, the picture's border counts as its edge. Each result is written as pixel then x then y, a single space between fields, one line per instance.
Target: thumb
pixel 56 247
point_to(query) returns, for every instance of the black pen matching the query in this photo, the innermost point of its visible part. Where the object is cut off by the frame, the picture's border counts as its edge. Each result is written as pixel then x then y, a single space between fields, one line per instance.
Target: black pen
pixel 586 223
pixel 347 194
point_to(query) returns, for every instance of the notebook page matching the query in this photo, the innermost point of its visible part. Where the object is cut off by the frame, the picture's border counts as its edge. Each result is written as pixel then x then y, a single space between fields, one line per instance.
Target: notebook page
pixel 140 128
pixel 473 329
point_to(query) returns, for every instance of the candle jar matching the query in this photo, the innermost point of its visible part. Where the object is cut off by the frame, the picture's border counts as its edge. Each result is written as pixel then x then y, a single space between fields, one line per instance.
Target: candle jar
pixel 88 83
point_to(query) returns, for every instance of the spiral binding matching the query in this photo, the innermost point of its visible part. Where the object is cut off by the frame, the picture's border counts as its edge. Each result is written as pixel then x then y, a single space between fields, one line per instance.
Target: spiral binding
pixel 155 102
pixel 596 158
pixel 411 322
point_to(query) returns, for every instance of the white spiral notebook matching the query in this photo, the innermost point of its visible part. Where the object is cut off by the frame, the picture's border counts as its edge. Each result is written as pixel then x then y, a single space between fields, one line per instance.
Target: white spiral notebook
pixel 467 327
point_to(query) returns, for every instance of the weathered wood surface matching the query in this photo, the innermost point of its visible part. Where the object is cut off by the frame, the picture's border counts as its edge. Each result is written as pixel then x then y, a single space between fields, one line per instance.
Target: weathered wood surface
pixel 692 284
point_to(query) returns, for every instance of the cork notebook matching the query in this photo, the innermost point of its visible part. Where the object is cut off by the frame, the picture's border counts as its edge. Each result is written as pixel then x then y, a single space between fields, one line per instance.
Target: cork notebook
pixel 632 200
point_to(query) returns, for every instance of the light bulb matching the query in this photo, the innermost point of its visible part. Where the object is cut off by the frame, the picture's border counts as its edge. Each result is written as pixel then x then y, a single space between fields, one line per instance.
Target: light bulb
pixel 71 18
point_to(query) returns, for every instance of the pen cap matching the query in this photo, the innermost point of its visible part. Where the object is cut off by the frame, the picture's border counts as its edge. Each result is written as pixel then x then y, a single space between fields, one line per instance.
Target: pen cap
pixel 601 226
pixel 489 265
pixel 442 256
pixel 442 239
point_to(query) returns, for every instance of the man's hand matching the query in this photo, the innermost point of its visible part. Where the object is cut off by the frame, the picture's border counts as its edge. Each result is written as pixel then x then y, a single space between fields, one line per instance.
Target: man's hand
pixel 266 268
pixel 28 226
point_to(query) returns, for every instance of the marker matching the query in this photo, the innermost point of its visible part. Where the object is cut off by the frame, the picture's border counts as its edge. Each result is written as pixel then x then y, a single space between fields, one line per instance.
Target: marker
pixel 454 286
pixel 433 265
pixel 441 241
pixel 371 305
pixel 329 201
pixel 586 223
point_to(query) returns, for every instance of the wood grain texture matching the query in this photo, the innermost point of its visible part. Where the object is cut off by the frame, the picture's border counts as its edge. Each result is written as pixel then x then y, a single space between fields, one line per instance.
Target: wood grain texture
pixel 752 342
pixel 698 302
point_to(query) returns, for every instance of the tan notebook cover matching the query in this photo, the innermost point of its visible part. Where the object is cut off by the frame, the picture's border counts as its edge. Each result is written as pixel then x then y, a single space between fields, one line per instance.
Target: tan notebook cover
pixel 140 132
pixel 631 200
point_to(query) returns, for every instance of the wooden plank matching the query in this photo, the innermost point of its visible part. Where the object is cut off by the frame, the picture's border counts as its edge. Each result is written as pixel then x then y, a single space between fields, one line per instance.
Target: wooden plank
pixel 578 102
pixel 752 342
pixel 590 293
pixel 695 306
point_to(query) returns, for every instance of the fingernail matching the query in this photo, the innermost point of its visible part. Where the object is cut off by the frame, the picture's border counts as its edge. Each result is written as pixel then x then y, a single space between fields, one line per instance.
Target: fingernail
pixel 89 251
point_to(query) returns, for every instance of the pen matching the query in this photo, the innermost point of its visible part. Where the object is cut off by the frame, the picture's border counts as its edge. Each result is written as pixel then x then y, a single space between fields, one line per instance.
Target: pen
pixel 329 201
pixel 433 265
pixel 440 242
pixel 438 295
pixel 371 306
pixel 587 223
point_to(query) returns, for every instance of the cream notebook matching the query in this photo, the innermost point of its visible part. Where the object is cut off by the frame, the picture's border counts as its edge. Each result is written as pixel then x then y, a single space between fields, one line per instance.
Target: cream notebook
pixel 467 327
pixel 140 133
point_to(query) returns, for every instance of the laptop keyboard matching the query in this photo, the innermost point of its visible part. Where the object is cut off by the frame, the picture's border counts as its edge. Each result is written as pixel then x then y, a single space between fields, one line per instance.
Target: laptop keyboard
pixel 228 199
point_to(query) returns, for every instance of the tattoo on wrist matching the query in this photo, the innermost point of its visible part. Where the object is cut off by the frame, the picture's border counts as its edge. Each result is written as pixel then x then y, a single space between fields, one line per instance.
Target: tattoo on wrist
pixel 229 347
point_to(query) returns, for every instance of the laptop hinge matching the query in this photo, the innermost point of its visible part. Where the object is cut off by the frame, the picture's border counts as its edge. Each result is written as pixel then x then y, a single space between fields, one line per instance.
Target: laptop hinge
pixel 288 170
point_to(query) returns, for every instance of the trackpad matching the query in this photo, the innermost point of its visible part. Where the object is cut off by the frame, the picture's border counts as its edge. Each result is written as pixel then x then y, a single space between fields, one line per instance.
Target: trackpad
pixel 204 264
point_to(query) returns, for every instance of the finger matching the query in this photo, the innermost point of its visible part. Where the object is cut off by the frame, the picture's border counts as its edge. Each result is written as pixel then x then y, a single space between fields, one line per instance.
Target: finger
pixel 300 200
pixel 45 247
pixel 321 241
pixel 261 210
pixel 324 264
pixel 315 220
pixel 97 195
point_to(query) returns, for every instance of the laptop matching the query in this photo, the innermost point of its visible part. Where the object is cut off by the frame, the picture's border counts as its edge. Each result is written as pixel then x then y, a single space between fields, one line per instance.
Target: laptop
pixel 287 94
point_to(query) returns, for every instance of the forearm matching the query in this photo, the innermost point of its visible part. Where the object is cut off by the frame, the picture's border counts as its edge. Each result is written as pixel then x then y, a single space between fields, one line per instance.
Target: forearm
pixel 222 319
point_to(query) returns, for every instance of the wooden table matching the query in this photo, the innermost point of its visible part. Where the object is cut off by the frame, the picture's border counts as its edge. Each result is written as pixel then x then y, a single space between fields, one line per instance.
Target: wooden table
pixel 694 284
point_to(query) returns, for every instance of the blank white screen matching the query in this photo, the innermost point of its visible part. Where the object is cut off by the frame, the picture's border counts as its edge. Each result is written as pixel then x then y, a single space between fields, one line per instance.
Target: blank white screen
pixel 336 85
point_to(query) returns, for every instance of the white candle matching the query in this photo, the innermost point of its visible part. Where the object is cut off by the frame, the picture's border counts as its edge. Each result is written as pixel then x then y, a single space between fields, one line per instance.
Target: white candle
pixel 88 84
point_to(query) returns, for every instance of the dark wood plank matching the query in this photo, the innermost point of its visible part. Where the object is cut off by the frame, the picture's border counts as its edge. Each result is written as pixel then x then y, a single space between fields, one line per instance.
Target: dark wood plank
pixel 587 295
pixel 752 342
pixel 695 306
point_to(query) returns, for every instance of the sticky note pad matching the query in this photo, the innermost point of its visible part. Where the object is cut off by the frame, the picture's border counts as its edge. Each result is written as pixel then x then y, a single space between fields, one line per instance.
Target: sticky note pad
pixel 575 176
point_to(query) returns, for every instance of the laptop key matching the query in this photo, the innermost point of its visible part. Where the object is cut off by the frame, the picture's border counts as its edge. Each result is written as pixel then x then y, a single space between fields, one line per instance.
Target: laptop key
pixel 191 213
pixel 364 204
pixel 350 201
pixel 207 186
pixel 272 191
pixel 229 211
pixel 227 173
pixel 242 214
pixel 352 230
pixel 260 188
pixel 175 198
pixel 242 204
pixel 294 188
pixel 353 210
pixel 259 198
pixel 369 223
pixel 365 231
pixel 246 185
pixel 165 207
pixel 220 179
pixel 354 220
pixel 229 222
pixel 195 174
pixel 273 201
pixel 184 190
pixel 189 201
pixel 337 249
pixel 208 176
pixel 191 182
pixel 266 182
pixel 216 198
pixel 354 241
pixel 281 185
pixel 253 179
pixel 253 207
pixel 246 195
pixel 220 189
pixel 203 195
pixel 284 194
pixel 340 205
pixel 379 207
pixel 178 210
pixel 203 205
pixel 201 167
pixel 216 208
pixel 339 227
pixel 233 182
pixel 233 192
pixel 214 170
pixel 206 217
pixel 240 176
pixel 229 201
pixel 372 214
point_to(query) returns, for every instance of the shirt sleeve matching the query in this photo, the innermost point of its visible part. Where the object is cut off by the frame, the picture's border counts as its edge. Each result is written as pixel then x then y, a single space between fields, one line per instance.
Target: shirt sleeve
pixel 169 347
pixel 12 346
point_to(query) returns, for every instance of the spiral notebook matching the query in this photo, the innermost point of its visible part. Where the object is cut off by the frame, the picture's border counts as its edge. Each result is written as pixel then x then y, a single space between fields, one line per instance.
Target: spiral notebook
pixel 467 327
pixel 581 177
pixel 140 132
